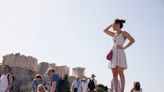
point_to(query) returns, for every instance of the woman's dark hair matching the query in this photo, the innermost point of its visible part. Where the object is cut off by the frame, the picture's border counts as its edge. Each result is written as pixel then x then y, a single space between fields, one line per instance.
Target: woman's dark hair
pixel 119 21
pixel 6 66
pixel 137 86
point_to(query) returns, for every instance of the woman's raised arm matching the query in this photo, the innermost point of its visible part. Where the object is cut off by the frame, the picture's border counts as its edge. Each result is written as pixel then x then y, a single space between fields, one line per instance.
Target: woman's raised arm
pixel 106 30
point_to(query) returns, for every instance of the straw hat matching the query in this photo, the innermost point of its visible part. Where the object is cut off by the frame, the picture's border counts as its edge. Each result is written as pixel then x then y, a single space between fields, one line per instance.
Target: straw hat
pixel 93 75
pixel 83 79
pixel 38 75
pixel 49 69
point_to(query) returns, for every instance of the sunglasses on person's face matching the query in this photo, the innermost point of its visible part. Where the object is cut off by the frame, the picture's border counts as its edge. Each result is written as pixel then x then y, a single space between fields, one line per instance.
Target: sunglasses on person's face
pixel 38 77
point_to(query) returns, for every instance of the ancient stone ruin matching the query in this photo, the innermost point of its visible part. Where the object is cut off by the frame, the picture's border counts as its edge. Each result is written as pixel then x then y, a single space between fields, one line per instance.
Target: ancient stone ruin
pixel 24 69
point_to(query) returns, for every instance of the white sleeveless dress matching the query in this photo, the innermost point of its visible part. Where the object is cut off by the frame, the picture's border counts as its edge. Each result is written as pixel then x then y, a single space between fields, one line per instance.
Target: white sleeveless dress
pixel 119 57
pixel 3 83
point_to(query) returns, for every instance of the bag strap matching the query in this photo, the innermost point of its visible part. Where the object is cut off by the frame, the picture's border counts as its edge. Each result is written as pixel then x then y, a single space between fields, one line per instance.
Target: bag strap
pixel 8 75
pixel 78 84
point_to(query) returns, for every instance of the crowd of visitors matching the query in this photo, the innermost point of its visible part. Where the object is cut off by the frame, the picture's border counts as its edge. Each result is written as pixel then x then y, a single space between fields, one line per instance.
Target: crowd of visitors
pixel 55 82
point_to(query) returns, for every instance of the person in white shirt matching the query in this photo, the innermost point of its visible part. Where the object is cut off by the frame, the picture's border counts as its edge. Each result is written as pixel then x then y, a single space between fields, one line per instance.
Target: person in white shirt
pixel 84 85
pixel 76 85
pixel 112 86
pixel 6 80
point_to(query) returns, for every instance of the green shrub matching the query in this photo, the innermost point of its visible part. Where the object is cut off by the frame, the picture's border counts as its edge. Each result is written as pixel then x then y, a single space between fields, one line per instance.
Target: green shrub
pixel 101 88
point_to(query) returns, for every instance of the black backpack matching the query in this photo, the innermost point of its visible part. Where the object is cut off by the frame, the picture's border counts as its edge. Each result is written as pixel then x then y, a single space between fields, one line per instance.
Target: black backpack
pixel 8 80
pixel 91 85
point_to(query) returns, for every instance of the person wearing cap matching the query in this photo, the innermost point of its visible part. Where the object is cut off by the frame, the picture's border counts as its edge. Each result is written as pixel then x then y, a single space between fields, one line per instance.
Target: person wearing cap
pixel 54 78
pixel 37 80
pixel 92 83
pixel 6 79
pixel 84 85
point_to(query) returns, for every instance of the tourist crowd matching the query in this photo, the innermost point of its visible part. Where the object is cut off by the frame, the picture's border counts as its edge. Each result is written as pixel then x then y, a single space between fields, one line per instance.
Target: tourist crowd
pixel 56 83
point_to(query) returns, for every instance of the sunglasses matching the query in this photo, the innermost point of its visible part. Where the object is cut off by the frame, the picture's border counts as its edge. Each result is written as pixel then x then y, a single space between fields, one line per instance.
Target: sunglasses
pixel 38 77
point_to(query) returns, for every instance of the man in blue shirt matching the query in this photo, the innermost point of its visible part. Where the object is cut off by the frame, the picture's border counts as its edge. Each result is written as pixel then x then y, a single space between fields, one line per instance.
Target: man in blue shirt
pixel 54 78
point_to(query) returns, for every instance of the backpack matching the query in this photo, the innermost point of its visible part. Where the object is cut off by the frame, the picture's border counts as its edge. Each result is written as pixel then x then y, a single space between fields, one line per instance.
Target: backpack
pixel 63 86
pixel 9 82
pixel 91 85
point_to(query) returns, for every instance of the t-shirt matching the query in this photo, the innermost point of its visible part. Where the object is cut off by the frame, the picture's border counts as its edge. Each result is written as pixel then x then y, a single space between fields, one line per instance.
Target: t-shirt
pixel 78 85
pixel 56 78
pixel 3 83
pixel 35 83
pixel 84 86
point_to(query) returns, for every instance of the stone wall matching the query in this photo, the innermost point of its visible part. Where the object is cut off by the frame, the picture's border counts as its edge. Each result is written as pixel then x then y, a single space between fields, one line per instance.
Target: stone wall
pixel 25 76
pixel 43 67
pixel 31 63
pixel 78 71
pixel 62 71
pixel 18 60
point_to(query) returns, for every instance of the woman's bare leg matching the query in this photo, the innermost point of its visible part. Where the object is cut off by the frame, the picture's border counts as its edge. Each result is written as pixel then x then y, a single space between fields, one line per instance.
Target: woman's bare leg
pixel 115 78
pixel 122 78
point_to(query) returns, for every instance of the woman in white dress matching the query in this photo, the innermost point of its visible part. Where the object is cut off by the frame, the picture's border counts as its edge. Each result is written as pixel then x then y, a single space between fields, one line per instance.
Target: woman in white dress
pixel 118 63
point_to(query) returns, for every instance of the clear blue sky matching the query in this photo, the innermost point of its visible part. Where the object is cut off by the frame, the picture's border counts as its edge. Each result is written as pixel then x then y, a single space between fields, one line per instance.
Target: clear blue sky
pixel 69 32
